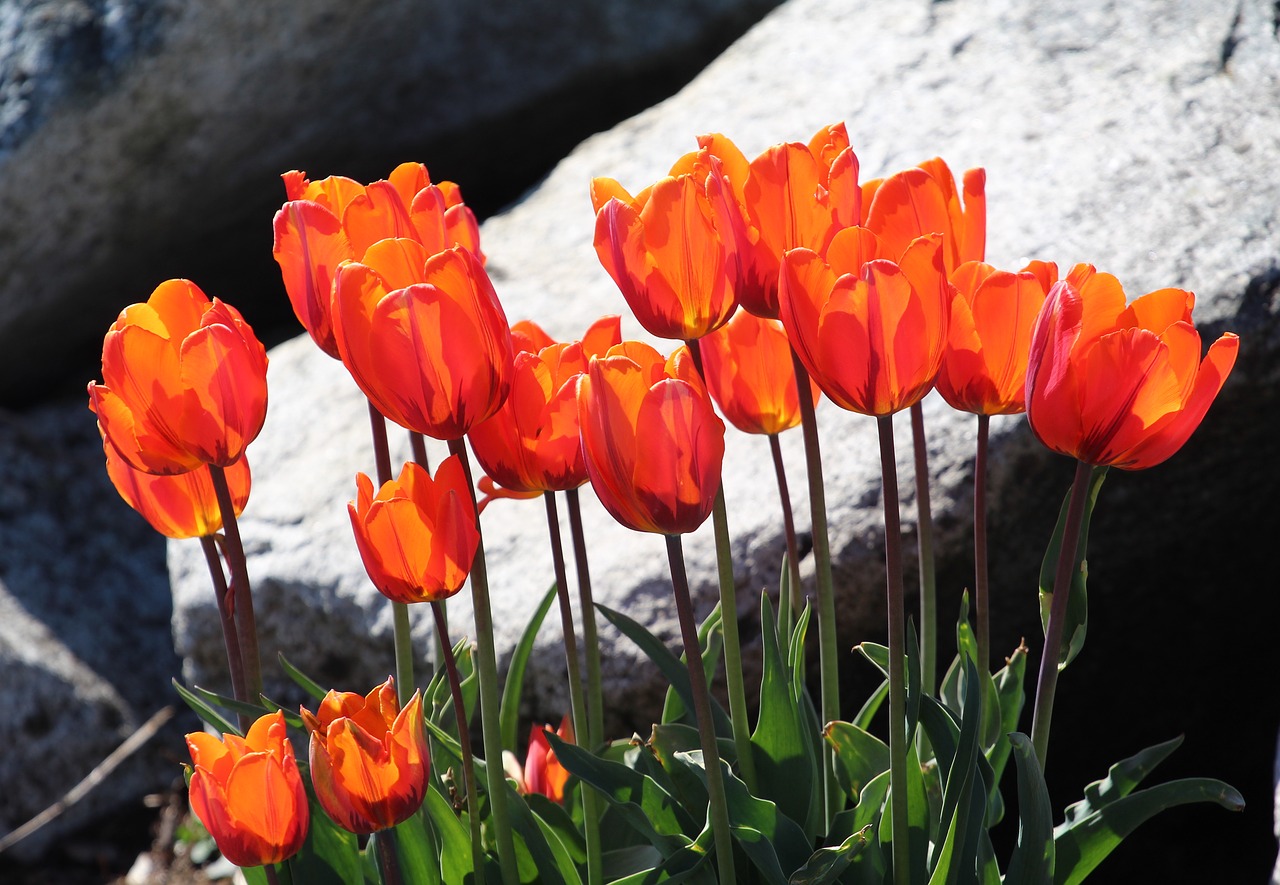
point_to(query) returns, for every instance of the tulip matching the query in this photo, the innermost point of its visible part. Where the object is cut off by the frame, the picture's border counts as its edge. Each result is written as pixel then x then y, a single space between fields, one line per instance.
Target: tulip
pixel 417 536
pixel 337 219
pixel 670 249
pixel 183 505
pixel 248 793
pixel 652 442
pixel 1118 384
pixel 369 758
pixel 424 336
pixel 984 367
pixel 184 382
pixel 532 443
pixel 542 772
pixel 924 200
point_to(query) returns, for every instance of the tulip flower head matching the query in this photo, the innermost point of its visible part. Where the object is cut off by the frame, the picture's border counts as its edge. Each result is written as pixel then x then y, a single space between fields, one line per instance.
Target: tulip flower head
pixel 542 772
pixel 652 441
pixel 1118 384
pixel 369 758
pixel 417 536
pixel 249 794
pixel 183 505
pixel 984 368
pixel 924 200
pixel 184 382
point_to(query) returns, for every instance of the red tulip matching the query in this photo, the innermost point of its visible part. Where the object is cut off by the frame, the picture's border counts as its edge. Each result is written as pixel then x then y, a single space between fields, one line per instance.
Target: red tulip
pixel 418 536
pixel 183 505
pixel 532 442
pixel 423 336
pixel 369 758
pixel 248 793
pixel 184 382
pixel 984 368
pixel 750 374
pixel 652 441
pixel 542 772
pixel 1116 384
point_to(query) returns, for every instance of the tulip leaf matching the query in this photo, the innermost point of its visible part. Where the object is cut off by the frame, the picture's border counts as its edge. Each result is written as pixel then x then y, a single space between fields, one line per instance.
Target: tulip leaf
pixel 415 851
pixel 243 708
pixel 859 756
pixel 710 641
pixel 871 706
pixel 305 682
pixel 785 614
pixel 1076 627
pixel 1032 861
pixel 951 855
pixel 825 865
pixel 671 667
pixel 553 861
pixel 689 864
pixel 204 710
pixel 869 866
pixel 455 839
pixel 666 740
pixel 509 715
pixel 786 765
pixel 559 821
pixel 879 656
pixel 1011 697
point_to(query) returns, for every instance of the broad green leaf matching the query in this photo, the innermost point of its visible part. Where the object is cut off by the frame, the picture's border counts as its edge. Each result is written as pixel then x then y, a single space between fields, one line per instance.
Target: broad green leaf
pixel 455 838
pixel 786 765
pixel 255 875
pixel 872 706
pixel 1012 697
pixel 1120 781
pixel 786 617
pixel 859 755
pixel 1032 862
pixel 555 817
pixel 671 667
pixel 826 864
pixel 809 723
pixel 951 861
pixel 253 711
pixel 918 820
pixel 509 715
pixel 869 866
pixel 1076 627
pixel 619 863
pixel 291 718
pixel 711 642
pixel 879 656
pixel 305 682
pixel 330 856
pixel 688 865
pixel 415 850
pixel 1089 840
pixel 967 642
pixel 665 741
pixel 204 710
pixel 547 862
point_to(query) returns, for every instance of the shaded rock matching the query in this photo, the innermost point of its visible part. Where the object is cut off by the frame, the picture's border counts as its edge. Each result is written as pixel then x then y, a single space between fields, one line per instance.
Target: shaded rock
pixel 1139 137
pixel 145 138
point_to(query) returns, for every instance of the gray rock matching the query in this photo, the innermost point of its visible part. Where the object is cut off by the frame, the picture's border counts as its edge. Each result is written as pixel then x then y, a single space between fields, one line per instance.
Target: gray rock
pixel 136 136
pixel 1140 137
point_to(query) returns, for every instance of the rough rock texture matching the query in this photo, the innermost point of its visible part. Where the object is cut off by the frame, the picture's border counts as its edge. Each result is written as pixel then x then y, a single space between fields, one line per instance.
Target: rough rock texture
pixel 1141 137
pixel 136 136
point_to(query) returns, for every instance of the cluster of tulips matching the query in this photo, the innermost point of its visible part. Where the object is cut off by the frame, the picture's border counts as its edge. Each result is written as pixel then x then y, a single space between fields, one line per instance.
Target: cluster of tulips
pixel 782 278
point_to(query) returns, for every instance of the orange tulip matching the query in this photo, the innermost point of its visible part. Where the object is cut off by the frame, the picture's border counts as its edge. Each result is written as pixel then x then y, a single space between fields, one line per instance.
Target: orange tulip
pixel 651 439
pixel 670 249
pixel 984 367
pixel 542 772
pixel 180 506
pixel 870 332
pixel 750 374
pixel 184 382
pixel 1116 384
pixel 369 758
pixel 418 536
pixel 248 793
pixel 532 442
pixel 424 336
pixel 336 219
pixel 924 200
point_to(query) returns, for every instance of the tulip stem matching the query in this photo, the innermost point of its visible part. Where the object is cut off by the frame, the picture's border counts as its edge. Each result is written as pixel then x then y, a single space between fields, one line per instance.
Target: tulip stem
pixel 897 653
pixel 1047 683
pixel 828 659
pixel 418 443
pixel 388 862
pixel 924 547
pixel 243 594
pixel 981 595
pixel 464 739
pixel 269 870
pixel 590 638
pixel 487 670
pixel 789 526
pixel 577 702
pixel 718 806
pixel 235 664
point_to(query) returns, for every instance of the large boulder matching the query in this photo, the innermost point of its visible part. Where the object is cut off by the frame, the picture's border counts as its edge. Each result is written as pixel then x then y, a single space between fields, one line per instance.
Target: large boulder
pixel 139 137
pixel 1141 137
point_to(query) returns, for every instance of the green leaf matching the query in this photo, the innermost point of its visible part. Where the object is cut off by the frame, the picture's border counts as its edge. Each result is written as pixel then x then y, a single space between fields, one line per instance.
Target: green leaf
pixel 826 864
pixel 711 642
pixel 204 710
pixel 1078 605
pixel 558 820
pixel 1120 781
pixel 671 667
pixel 872 705
pixel 689 864
pixel 243 708
pixel 859 756
pixel 879 656
pixel 1011 697
pixel 455 837
pixel 415 850
pixel 666 740
pixel 1032 862
pixel 330 856
pixel 509 715
pixel 786 764
pixel 305 682
pixel 1082 846
pixel 869 866
pixel 950 861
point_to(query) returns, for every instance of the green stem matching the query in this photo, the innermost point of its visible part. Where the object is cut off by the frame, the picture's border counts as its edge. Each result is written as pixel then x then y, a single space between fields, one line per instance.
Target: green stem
pixel 789 526
pixel 1047 683
pixel 590 637
pixel 401 632
pixel 226 616
pixel 981 595
pixel 828 659
pixel 718 806
pixel 924 538
pixel 487 670
pixel 897 653
pixel 577 702
pixel 246 626
pixel 464 738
